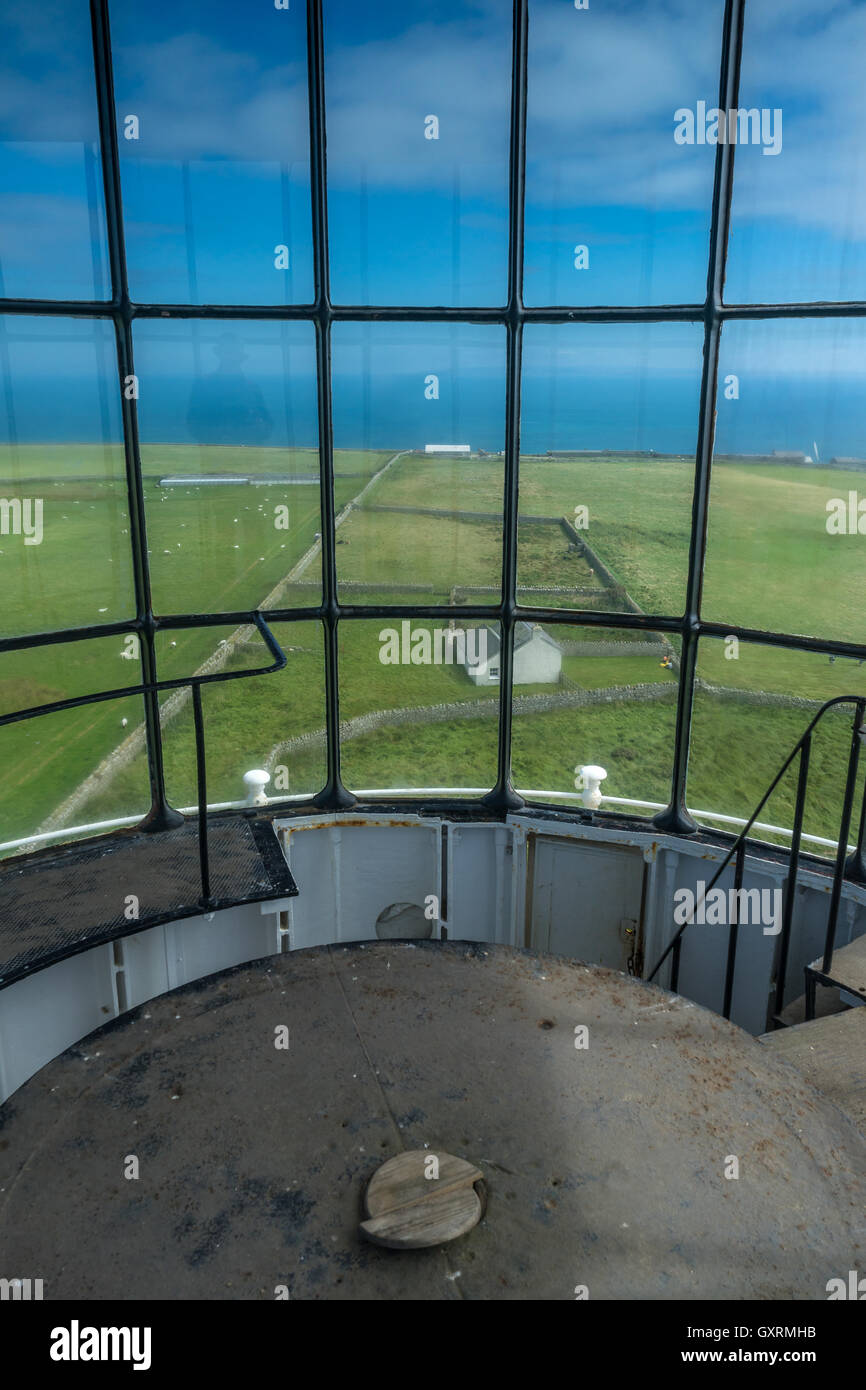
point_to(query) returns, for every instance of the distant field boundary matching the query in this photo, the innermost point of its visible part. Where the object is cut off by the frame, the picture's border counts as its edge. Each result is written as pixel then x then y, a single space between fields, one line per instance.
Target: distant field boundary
pixel 577 591
pixel 572 698
pixel 470 709
pixel 233 480
pixel 608 579
pixel 624 648
pixel 735 695
pixel 458 591
pixel 458 514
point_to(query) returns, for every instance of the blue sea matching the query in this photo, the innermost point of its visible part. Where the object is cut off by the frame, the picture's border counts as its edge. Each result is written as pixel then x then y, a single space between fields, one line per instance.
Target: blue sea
pixel 606 412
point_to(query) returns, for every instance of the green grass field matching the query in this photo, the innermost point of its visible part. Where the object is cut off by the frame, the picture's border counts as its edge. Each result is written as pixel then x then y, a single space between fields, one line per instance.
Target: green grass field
pixel 216 547
pixel 224 553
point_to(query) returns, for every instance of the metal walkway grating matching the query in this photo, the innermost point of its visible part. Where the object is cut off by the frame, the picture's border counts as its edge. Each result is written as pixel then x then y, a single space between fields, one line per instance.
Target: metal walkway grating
pixel 65 901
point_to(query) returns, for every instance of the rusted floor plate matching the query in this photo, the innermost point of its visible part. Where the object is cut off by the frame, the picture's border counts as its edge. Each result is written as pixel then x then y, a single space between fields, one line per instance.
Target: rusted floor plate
pixel 605 1166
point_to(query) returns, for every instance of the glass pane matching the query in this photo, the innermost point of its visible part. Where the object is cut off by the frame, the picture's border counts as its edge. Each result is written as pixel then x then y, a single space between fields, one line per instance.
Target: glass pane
pixel 594 697
pixel 230 461
pixel 79 766
pixel 273 722
pixel 759 700
pixel 787 516
pixel 432 397
pixel 798 227
pixel 419 704
pixel 617 209
pixel 608 437
pixel 213 130
pixel 52 220
pixel 65 558
pixel 418 129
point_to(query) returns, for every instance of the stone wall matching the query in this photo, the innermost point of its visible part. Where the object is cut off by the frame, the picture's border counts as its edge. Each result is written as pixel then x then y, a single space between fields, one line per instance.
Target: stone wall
pixel 608 580
pixel 471 709
pixel 641 646
pixel 766 698
pixel 458 514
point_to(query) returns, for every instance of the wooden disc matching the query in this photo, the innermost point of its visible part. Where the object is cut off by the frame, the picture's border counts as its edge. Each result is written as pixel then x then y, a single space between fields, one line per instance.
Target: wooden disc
pixel 421 1198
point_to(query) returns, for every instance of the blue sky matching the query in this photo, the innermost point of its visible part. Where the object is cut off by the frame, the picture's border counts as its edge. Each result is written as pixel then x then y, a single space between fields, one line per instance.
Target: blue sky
pixel 219 177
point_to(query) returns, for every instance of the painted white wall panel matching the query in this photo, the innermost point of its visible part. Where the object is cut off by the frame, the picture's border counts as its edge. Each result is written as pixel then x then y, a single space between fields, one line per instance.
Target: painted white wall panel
pixel 581 895
pixel 348 874
pixel 480 883
pixel 44 1015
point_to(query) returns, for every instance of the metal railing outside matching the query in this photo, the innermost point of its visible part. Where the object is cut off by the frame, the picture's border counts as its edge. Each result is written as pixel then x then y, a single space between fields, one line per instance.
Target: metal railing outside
pixel 847 866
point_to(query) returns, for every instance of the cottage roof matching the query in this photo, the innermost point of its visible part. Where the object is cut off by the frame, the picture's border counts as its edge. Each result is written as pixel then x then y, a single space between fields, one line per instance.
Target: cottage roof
pixel 523 634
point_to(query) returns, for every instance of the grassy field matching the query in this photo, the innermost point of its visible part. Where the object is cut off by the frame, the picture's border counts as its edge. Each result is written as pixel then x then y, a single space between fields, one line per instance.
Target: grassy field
pixel 216 547
pixel 223 552
pixel 639 510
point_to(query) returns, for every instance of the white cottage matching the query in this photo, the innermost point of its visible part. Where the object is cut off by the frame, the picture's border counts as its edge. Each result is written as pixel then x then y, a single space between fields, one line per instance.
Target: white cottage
pixel 537 657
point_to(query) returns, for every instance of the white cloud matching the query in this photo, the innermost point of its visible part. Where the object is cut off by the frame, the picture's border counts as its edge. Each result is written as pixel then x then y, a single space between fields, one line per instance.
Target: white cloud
pixel 604 85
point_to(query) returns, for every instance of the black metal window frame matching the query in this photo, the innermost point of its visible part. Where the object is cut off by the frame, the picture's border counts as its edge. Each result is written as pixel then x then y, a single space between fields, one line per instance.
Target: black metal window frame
pixel 713 313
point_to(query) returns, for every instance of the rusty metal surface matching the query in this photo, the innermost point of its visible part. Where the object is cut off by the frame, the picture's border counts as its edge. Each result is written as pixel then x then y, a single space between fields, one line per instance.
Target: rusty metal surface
pixel 605 1166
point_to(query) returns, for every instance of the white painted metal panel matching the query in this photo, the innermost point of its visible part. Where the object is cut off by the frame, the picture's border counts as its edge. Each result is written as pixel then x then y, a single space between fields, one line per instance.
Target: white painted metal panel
pixel 348 874
pixel 203 947
pixel 582 895
pixel 704 952
pixel 44 1015
pixel 312 857
pixel 144 966
pixel 479 883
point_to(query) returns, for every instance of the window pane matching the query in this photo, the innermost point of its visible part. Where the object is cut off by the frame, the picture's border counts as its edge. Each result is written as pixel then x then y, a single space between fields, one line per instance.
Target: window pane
pixel 798 228
pixel 418 128
pixel 214 148
pixel 65 558
pixel 274 722
pixel 431 396
pixel 419 704
pixel 64 770
pixel 617 211
pixel 759 700
pixel 594 697
pixel 608 437
pixel 788 496
pixel 230 463
pixel 52 221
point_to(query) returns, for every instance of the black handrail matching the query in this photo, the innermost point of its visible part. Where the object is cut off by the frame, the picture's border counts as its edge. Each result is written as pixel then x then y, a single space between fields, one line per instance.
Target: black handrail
pixel 193 683
pixel 851 867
